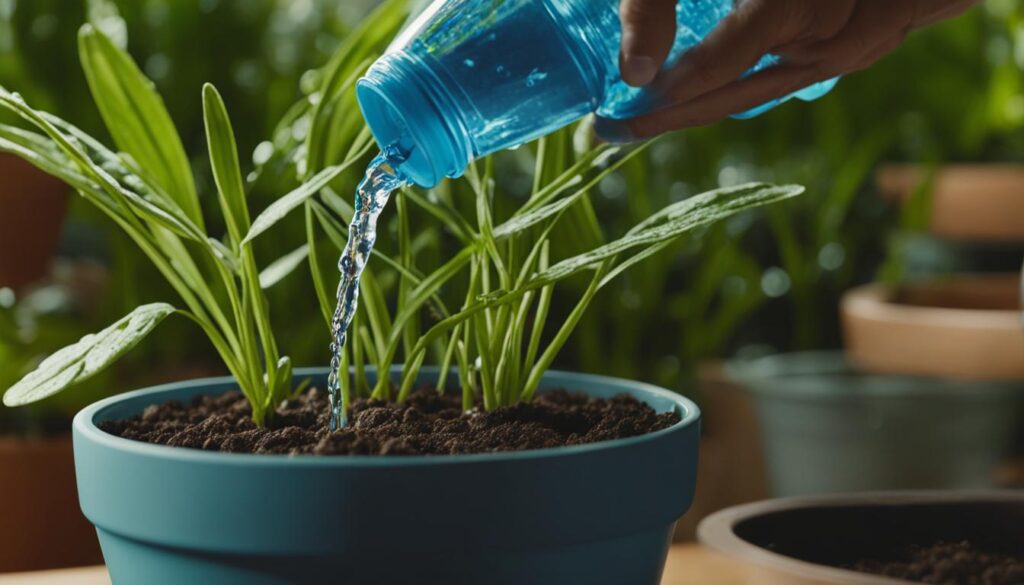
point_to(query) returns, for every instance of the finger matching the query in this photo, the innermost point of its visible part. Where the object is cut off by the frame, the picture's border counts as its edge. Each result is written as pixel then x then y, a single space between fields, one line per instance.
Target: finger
pixel 754 28
pixel 732 47
pixel 648 31
pixel 881 50
pixel 738 96
pixel 872 24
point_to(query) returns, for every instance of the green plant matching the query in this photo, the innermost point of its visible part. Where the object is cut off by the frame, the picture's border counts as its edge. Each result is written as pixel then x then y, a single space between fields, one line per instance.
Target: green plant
pixel 501 261
pixel 147 189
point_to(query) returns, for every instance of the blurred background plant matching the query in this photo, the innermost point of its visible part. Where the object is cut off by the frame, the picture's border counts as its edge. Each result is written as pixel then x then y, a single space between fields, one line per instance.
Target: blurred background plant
pixel 765 280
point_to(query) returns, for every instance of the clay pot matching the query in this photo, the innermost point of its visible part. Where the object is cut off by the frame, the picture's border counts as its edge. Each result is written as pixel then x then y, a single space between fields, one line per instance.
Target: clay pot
pixel 32 206
pixel 799 541
pixel 979 202
pixel 41 525
pixel 966 327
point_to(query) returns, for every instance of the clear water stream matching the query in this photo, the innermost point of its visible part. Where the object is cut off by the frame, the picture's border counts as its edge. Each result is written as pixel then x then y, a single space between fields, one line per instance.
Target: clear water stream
pixel 372 196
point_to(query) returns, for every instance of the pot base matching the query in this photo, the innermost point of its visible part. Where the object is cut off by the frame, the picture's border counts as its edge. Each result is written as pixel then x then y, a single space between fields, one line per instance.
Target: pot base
pixel 632 560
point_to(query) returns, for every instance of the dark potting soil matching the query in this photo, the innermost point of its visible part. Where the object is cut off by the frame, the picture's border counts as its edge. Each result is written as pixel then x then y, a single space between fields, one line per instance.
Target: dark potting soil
pixel 425 424
pixel 949 563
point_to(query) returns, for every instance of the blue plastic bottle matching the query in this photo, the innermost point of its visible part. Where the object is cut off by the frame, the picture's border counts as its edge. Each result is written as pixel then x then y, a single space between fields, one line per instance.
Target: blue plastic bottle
pixel 470 77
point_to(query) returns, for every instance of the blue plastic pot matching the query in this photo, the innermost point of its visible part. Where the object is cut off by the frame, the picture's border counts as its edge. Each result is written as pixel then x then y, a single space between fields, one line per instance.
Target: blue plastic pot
pixel 597 514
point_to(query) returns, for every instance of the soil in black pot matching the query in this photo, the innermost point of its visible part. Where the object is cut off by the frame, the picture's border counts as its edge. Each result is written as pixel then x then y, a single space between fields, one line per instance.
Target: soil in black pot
pixel 425 424
pixel 948 563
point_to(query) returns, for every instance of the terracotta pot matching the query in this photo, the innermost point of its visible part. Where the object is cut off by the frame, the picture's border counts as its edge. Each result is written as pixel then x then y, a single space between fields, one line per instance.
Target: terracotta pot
pixel 41 526
pixel 982 202
pixel 799 541
pixel 966 327
pixel 32 206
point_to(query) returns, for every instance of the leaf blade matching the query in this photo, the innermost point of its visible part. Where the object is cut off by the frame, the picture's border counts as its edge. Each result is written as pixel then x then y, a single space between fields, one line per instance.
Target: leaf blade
pixel 137 119
pixel 89 356
pixel 289 202
pixel 283 266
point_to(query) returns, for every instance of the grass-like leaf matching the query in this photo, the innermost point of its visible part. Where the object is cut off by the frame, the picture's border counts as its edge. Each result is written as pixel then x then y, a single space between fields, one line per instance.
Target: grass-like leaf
pixel 91 355
pixel 283 266
pixel 286 204
pixel 672 222
pixel 137 119
pixel 220 139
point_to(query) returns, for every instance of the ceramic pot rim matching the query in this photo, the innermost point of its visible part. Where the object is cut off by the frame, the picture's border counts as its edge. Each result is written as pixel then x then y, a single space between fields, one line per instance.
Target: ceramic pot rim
pixel 84 426
pixel 801 374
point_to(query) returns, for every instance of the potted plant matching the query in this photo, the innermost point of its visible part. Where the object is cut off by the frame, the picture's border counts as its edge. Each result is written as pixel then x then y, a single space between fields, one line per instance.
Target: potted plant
pixel 884 538
pixel 170 514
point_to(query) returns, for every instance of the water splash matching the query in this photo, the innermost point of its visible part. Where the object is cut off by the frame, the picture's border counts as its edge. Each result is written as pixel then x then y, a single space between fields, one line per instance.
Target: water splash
pixel 372 195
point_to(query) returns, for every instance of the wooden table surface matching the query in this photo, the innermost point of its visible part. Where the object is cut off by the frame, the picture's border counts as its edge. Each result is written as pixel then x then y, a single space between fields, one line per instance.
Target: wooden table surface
pixel 687 564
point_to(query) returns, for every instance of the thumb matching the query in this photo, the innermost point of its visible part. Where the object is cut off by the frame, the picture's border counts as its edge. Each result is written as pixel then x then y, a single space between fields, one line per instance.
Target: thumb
pixel 648 32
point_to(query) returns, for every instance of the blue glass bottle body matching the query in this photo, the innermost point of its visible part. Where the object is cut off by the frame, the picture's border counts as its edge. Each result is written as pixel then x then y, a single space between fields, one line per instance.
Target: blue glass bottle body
pixel 470 77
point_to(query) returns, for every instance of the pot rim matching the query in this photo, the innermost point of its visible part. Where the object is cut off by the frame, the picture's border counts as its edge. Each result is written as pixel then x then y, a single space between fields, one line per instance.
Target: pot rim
pixel 717 531
pixel 874 301
pixel 799 374
pixel 85 427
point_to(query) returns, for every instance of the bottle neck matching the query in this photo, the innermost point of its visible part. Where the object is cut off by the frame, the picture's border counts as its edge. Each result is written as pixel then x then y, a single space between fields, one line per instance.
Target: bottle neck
pixel 406 106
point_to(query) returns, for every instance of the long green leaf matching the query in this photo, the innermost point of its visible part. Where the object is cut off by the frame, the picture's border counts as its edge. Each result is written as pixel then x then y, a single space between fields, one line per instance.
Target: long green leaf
pixel 227 173
pixel 319 283
pixel 89 356
pixel 44 155
pixel 372 35
pixel 137 119
pixel 672 222
pixel 283 266
pixel 284 205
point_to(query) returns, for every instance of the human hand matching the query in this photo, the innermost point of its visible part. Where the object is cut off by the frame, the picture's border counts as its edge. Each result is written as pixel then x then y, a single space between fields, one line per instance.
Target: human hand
pixel 816 40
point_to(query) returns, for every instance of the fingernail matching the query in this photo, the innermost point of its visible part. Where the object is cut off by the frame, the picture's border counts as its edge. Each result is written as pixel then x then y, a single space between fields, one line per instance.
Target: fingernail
pixel 614 131
pixel 638 70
